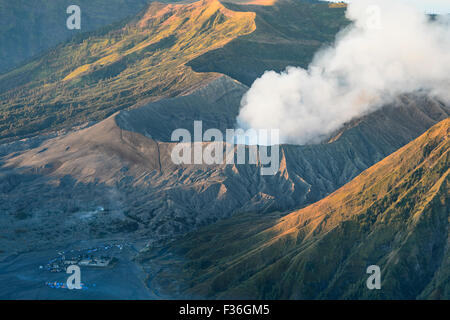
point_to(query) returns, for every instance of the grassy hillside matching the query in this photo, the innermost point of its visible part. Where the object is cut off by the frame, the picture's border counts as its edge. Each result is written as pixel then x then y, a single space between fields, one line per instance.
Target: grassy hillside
pixel 395 215
pixel 95 75
pixel 98 73
pixel 29 27
pixel 287 33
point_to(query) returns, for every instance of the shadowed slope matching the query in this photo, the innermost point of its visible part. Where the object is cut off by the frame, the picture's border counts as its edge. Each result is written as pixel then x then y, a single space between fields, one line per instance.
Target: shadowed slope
pixel 126 158
pixel 29 27
pixel 288 33
pixel 395 215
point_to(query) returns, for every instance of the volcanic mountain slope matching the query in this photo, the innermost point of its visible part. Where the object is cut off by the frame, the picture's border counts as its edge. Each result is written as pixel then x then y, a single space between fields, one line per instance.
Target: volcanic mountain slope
pixel 288 33
pixel 97 74
pixel 29 27
pixel 395 215
pixel 123 165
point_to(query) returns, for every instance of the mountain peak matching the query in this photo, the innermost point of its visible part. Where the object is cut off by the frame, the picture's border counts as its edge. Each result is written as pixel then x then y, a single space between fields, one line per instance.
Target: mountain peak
pixel 394 215
pixel 199 11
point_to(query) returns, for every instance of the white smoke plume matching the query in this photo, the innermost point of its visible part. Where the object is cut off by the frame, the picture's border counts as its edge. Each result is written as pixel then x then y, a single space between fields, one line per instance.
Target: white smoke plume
pixel 389 49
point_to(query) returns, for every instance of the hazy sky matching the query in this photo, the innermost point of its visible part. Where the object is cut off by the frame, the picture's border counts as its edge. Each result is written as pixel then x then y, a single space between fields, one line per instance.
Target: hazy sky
pixel 429 6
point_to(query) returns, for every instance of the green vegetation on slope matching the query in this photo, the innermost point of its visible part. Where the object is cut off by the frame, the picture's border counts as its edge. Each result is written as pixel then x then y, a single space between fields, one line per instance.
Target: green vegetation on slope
pixel 395 215
pixel 95 75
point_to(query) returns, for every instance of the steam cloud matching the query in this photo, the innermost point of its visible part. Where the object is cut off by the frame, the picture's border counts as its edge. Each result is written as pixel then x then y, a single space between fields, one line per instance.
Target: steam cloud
pixel 389 49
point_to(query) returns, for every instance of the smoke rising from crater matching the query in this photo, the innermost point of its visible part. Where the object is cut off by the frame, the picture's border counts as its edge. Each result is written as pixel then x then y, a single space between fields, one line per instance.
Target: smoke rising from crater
pixel 389 49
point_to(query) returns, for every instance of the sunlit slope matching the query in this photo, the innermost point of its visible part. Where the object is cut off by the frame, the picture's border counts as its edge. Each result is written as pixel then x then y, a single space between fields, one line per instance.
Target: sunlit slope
pixel 395 215
pixel 288 33
pixel 123 164
pixel 96 75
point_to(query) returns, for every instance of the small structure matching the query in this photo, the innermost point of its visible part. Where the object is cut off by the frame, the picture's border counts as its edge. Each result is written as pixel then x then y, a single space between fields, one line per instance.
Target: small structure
pixel 101 262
